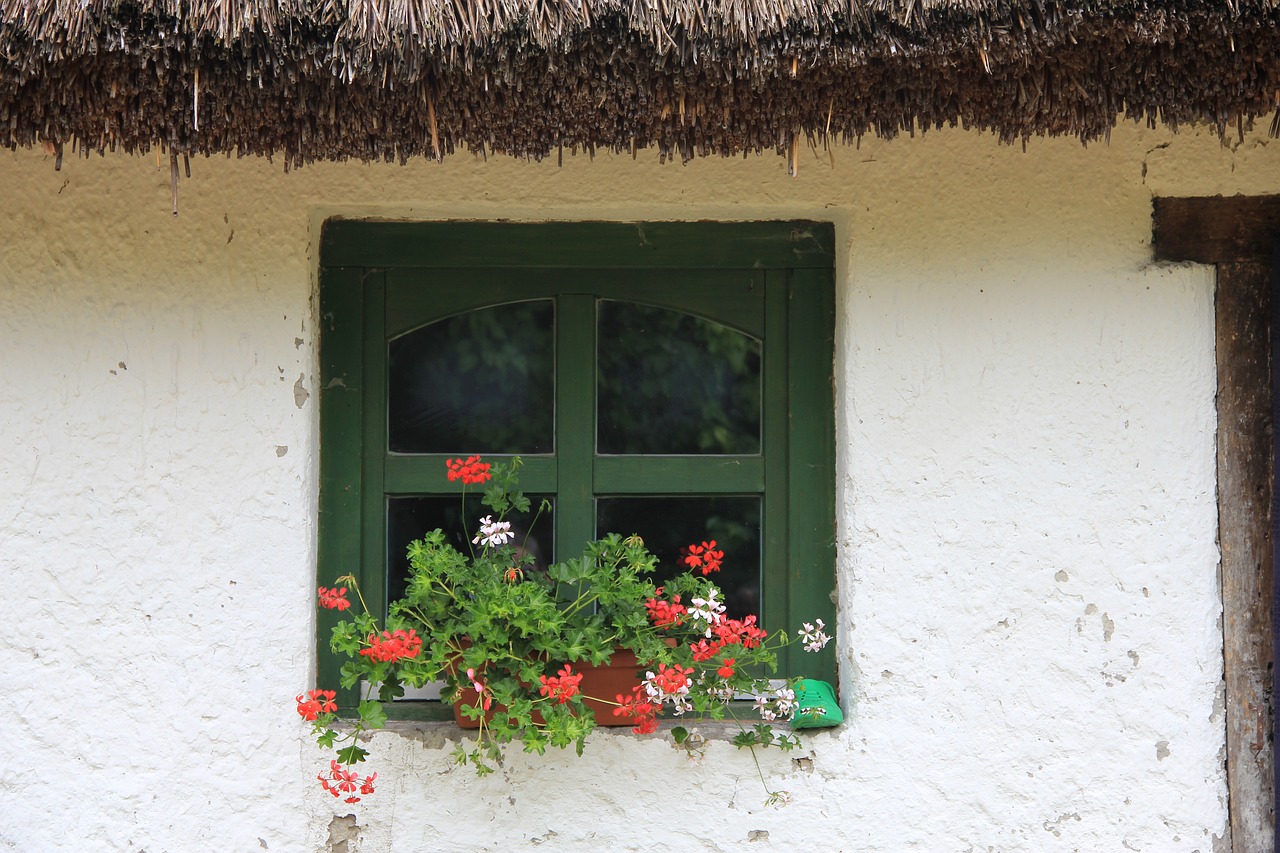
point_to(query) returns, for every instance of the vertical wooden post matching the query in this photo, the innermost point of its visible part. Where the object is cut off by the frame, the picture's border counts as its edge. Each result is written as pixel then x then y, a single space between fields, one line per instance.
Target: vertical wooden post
pixel 1239 235
pixel 1244 524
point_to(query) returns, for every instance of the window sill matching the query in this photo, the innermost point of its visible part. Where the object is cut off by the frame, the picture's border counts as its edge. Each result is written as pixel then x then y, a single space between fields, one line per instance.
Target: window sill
pixel 433 724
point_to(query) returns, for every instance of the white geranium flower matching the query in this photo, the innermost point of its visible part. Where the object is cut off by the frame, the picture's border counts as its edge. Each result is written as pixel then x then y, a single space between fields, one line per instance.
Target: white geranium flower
pixel 493 533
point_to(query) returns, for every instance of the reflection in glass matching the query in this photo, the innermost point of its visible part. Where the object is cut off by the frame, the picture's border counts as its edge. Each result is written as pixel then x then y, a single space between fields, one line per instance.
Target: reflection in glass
pixel 670 382
pixel 670 524
pixel 480 382
pixel 409 518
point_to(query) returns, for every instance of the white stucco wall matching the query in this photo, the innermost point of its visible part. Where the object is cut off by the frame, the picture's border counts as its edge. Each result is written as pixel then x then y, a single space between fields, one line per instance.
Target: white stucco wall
pixel 1029 627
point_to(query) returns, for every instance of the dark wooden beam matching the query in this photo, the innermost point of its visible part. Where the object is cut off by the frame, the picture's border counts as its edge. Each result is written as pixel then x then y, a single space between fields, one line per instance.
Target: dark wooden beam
pixel 1244 532
pixel 1216 230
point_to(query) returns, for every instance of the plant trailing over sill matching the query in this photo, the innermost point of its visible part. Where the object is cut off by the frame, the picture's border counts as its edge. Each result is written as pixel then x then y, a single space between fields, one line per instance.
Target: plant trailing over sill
pixel 510 643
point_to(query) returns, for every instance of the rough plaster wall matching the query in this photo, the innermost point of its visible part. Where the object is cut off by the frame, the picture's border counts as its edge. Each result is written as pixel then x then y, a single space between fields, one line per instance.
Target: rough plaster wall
pixel 1029 615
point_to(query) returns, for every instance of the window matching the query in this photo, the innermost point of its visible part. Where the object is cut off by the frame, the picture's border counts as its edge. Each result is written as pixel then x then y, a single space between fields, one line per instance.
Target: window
pixel 667 379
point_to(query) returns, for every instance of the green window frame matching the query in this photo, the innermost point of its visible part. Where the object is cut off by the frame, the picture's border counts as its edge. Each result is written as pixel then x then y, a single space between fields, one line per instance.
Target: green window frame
pixel 381 279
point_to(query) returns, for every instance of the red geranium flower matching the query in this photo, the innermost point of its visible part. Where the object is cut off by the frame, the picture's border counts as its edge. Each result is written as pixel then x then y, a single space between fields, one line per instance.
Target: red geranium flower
pixel 393 645
pixel 704 557
pixel 642 711
pixel 561 687
pixel 308 709
pixel 334 599
pixel 665 614
pixel 471 471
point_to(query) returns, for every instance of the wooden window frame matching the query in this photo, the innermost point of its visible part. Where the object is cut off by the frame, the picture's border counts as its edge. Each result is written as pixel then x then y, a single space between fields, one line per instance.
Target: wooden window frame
pixel 791 262
pixel 1240 235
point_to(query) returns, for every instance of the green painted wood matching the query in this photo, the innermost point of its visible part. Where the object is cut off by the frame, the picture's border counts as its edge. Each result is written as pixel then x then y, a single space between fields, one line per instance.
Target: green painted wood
pixel 417 297
pixel 340 398
pixel 426 474
pixel 373 577
pixel 575 422
pixel 605 245
pixel 657 475
pixel 811 451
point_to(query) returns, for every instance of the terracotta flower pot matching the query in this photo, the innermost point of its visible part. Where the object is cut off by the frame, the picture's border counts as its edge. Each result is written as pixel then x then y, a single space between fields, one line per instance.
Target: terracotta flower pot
pixel 618 677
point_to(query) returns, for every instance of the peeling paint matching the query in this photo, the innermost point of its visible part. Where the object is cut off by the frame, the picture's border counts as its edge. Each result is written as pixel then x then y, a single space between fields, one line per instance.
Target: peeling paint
pixel 300 393
pixel 344 835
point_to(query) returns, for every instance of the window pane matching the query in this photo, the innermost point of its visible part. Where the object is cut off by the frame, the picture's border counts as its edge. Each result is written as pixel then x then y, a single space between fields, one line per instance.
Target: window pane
pixel 668 525
pixel 670 382
pixel 480 382
pixel 409 518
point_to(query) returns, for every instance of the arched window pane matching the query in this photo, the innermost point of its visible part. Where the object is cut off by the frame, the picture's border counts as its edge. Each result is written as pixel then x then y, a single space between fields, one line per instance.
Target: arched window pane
pixel 673 383
pixel 480 382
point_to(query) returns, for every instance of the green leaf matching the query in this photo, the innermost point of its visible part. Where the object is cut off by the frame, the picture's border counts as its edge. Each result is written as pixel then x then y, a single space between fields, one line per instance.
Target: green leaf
pixel 680 734
pixel 390 690
pixel 352 754
pixel 372 714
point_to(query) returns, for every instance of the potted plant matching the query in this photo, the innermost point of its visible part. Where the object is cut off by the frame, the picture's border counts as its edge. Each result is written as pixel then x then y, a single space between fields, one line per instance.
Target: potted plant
pixel 516 645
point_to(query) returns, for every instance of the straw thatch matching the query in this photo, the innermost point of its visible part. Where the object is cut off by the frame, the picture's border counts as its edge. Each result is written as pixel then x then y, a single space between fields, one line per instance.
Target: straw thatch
pixel 392 79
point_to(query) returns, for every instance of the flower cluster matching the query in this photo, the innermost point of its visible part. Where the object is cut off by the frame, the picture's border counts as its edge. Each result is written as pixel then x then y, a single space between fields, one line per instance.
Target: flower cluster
pixel 813 637
pixel 705 558
pixel 315 703
pixel 563 686
pixel 670 685
pixel 640 709
pixel 393 646
pixel 471 471
pixel 339 782
pixel 708 609
pixel 334 599
pixel 493 533
pixel 525 635
pixel 780 706
pixel 665 614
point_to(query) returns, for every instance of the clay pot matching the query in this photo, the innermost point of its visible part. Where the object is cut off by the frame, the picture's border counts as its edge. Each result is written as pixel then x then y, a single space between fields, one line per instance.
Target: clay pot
pixel 618 677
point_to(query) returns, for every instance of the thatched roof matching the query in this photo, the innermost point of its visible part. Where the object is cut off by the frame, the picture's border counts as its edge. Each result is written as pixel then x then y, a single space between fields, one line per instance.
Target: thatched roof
pixel 388 79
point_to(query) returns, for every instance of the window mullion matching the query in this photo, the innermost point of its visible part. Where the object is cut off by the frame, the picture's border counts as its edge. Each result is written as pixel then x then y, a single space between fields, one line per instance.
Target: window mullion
pixel 575 421
pixel 373 545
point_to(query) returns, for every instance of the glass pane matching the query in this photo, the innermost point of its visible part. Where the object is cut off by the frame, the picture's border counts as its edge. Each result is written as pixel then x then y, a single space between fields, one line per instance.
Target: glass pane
pixel 668 525
pixel 670 382
pixel 408 518
pixel 480 382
